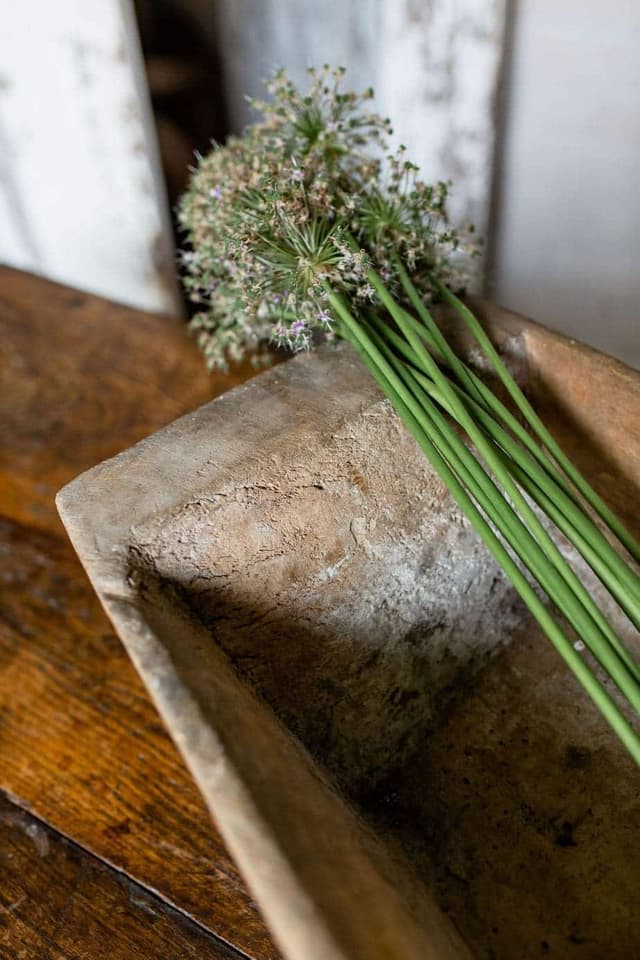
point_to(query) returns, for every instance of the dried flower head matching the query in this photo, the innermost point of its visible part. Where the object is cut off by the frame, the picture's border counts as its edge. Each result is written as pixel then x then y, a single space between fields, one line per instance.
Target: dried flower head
pixel 308 199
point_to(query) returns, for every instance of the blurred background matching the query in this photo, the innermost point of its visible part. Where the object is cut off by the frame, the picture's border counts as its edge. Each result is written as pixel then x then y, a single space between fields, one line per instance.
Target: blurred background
pixel 531 107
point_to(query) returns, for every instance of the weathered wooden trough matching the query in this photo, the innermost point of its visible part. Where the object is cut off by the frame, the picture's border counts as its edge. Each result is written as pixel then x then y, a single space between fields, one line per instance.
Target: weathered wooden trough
pixel 399 762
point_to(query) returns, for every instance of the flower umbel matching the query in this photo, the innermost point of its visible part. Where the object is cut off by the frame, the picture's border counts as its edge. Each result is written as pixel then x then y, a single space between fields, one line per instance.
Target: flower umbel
pixel 281 208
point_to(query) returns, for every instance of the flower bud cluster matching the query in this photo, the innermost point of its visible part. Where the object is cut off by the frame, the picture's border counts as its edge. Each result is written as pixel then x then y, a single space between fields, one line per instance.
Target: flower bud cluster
pixel 306 200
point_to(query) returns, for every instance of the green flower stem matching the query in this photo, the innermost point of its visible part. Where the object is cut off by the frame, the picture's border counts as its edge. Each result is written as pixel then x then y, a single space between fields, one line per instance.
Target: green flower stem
pixel 409 412
pixel 620 579
pixel 586 550
pixel 614 574
pixel 536 424
pixel 492 404
pixel 610 567
pixel 431 333
pixel 589 619
pixel 488 399
pixel 473 385
pixel 611 655
pixel 564 493
pixel 587 538
pixel 439 340
pixel 583 545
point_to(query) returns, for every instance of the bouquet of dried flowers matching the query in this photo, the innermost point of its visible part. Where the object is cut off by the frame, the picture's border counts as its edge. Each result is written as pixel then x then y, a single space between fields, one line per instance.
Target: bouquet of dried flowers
pixel 306 229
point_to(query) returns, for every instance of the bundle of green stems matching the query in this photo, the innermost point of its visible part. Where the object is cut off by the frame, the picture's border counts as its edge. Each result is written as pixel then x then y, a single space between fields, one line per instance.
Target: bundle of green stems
pixel 299 229
pixel 497 483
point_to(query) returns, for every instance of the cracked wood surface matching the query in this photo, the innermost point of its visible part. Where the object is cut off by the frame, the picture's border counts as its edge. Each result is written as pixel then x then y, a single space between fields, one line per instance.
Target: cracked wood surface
pixel 60 903
pixel 81 746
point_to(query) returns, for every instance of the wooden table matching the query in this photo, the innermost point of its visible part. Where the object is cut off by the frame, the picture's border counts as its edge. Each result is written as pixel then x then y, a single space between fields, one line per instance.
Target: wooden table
pixel 105 844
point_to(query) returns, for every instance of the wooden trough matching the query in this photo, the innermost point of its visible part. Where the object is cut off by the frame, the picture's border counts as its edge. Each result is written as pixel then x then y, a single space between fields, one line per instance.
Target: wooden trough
pixel 400 764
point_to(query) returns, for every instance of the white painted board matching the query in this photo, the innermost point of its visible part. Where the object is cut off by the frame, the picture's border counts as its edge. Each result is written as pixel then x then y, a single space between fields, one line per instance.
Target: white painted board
pixel 82 199
pixel 437 77
pixel 568 250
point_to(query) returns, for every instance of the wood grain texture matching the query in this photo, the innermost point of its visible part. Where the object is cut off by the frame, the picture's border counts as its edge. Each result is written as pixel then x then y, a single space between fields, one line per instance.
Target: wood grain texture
pixel 59 903
pixel 82 379
pixel 80 742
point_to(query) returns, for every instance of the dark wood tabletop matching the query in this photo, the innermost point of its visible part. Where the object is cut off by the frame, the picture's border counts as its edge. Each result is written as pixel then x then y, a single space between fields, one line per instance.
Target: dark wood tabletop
pixel 105 843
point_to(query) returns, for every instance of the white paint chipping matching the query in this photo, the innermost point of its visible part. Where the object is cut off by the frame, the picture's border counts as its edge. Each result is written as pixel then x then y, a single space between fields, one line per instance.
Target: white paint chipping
pixel 81 197
pixel 438 67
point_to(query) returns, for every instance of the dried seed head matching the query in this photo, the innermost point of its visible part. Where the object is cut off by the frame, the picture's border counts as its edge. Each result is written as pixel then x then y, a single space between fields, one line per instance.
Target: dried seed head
pixel 269 220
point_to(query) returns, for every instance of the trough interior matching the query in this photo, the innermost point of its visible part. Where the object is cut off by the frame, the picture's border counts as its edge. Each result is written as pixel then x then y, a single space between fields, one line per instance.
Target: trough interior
pixel 348 591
